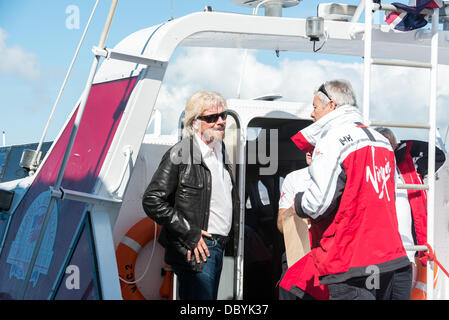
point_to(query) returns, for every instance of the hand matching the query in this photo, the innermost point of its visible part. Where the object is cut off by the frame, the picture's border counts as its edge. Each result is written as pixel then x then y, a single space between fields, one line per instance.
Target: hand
pixel 200 248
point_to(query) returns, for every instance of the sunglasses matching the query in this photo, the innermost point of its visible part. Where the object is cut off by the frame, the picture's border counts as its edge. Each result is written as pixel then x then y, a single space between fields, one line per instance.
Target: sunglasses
pixel 213 117
pixel 323 90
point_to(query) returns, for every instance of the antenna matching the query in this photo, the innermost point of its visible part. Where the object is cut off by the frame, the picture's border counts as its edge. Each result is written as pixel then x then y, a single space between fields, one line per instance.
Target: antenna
pixel 273 8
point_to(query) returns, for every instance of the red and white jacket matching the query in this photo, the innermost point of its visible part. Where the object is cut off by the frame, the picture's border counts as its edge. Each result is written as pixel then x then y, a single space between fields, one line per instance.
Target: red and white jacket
pixel 353 190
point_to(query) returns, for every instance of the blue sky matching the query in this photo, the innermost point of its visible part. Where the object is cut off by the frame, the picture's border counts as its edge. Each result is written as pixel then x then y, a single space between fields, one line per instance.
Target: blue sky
pixel 36 48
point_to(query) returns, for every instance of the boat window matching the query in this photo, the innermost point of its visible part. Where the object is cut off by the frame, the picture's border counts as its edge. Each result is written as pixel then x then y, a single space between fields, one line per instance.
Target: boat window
pixel 281 182
pixel 263 192
pixel 4 152
pixel 252 133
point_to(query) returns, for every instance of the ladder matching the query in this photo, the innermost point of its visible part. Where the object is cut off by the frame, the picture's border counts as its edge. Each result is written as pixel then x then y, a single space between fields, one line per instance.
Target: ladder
pixel 371 7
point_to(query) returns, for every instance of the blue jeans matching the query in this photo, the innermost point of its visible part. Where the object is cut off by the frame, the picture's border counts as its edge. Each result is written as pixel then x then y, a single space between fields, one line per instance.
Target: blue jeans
pixel 402 284
pixel 202 285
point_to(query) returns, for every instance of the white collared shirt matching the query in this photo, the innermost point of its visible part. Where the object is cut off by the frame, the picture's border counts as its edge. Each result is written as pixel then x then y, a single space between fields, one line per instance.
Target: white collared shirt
pixel 220 211
pixel 294 182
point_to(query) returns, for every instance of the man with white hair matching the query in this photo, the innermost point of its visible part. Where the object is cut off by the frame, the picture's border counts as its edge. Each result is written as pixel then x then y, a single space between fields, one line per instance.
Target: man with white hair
pixel 352 192
pixel 193 196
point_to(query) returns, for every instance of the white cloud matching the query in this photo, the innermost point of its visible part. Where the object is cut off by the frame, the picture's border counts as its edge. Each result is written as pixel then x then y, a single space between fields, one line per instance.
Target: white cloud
pixel 17 62
pixel 397 94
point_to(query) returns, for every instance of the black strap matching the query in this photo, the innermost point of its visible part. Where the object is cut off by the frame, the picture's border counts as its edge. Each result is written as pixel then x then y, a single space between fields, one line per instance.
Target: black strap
pixel 365 129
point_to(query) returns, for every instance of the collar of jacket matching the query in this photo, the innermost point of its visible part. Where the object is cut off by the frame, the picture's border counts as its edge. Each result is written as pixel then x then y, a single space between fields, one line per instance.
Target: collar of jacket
pixel 307 138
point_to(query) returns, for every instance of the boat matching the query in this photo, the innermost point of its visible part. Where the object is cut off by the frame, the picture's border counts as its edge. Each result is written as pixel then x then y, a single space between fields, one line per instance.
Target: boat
pixel 62 226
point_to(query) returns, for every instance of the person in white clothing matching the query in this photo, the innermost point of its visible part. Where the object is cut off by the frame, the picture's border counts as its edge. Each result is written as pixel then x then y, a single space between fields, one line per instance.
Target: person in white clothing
pixel 294 182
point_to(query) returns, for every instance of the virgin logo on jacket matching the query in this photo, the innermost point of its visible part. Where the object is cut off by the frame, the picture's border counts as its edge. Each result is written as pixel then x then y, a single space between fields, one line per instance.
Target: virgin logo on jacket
pixel 379 175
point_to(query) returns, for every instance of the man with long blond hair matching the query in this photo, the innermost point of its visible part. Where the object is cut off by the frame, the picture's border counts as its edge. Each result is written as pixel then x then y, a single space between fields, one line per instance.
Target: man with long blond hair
pixel 193 196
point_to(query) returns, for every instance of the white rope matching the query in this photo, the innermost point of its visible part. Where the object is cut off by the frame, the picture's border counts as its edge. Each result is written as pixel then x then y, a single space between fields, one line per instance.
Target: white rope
pixel 258 5
pixel 33 162
pixel 149 261
pixel 145 176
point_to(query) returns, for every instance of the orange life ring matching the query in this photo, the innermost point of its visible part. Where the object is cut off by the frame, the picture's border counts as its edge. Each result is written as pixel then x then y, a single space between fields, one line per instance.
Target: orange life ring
pixel 166 290
pixel 419 292
pixel 127 251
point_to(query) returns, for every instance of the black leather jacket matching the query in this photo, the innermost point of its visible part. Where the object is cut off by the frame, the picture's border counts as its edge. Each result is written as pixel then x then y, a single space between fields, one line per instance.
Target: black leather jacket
pixel 178 199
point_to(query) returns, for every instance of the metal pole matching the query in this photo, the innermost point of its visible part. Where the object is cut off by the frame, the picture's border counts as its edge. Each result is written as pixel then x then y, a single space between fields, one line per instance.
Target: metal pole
pixel 239 264
pixel 432 138
pixel 34 165
pixel 358 11
pixel 69 148
pixel 367 61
